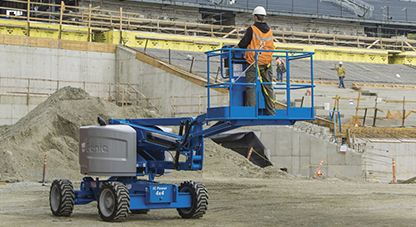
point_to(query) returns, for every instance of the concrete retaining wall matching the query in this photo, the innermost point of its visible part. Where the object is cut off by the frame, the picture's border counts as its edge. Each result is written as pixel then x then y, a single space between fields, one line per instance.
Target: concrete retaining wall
pixel 301 151
pixel 39 69
pixel 378 155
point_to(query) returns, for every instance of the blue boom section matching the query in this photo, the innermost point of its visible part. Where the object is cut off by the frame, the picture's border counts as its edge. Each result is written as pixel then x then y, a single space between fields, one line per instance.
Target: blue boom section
pixel 158 150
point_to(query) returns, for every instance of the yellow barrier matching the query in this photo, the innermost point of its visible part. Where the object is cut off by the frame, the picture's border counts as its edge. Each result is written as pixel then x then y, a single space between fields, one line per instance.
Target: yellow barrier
pixel 43 30
pixel 196 43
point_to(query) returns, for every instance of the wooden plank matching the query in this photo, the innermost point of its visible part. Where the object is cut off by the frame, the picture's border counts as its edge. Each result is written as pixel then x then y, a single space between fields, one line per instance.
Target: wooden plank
pixel 173 70
pixel 229 33
pixel 375 42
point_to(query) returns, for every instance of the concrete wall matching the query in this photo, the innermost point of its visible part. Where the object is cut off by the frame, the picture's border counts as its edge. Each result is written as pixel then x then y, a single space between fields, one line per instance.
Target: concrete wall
pixel 378 155
pixel 154 82
pixel 44 67
pixel 300 149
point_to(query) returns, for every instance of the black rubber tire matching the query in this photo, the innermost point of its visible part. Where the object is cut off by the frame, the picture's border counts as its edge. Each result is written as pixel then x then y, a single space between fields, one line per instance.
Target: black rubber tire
pixel 199 202
pixel 61 197
pixel 139 211
pixel 113 202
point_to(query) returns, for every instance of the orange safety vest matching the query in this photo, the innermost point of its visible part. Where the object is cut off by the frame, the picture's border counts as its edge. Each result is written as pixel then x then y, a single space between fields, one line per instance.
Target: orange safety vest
pixel 259 41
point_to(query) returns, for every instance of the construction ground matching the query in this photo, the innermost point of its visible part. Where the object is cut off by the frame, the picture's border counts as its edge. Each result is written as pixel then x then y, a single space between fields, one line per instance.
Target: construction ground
pixel 63 83
pixel 282 201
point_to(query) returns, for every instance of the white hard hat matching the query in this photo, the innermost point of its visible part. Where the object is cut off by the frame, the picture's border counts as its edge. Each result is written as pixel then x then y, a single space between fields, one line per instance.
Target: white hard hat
pixel 340 62
pixel 259 10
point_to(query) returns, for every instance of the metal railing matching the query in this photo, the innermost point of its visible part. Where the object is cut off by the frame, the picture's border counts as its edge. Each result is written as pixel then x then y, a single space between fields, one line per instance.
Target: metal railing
pixel 126 94
pixel 195 104
pixel 113 92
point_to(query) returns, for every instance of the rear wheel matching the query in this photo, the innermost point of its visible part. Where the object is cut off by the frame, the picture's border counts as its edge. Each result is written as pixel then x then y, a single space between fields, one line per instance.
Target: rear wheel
pixel 199 200
pixel 113 202
pixel 61 197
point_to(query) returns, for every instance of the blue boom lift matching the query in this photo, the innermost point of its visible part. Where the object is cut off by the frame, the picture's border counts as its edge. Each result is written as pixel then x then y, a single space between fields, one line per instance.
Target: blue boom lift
pixel 126 149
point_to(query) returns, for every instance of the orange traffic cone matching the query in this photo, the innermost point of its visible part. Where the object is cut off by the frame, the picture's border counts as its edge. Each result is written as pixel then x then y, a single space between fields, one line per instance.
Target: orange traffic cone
pixel 249 154
pixel 318 170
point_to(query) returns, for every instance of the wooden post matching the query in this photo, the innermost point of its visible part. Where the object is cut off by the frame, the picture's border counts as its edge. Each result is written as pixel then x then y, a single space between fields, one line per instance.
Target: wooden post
pixel 358 103
pixel 375 112
pixel 365 116
pixel 186 32
pixel 60 20
pixel 335 105
pixel 89 23
pixel 121 25
pixel 28 18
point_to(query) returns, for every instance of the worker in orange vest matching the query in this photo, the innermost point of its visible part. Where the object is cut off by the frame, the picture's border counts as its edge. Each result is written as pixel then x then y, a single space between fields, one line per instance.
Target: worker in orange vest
pixel 259 36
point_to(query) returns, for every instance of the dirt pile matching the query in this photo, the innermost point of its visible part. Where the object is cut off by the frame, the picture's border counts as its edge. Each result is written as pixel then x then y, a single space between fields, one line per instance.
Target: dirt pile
pixel 52 129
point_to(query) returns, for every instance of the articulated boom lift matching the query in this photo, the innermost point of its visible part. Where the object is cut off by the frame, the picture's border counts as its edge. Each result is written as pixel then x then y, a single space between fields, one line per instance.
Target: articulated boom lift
pixel 126 149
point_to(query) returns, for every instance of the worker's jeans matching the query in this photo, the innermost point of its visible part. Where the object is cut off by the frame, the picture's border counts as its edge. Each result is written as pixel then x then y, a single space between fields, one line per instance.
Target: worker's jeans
pixel 280 76
pixel 266 76
pixel 341 82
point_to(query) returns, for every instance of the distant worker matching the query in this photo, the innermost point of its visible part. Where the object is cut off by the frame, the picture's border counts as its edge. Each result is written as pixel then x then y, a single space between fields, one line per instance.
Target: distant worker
pixel 341 74
pixel 280 69
pixel 259 36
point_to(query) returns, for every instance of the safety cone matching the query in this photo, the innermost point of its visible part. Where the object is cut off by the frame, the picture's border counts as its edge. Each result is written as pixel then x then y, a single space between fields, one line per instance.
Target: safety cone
pixel 249 153
pixel 394 171
pixel 318 170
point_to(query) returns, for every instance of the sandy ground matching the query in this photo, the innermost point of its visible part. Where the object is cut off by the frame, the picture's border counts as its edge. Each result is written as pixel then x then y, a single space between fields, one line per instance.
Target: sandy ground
pixel 239 202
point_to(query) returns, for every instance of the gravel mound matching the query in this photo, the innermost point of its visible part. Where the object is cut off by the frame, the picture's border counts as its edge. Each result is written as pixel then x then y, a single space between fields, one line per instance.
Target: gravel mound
pixel 51 129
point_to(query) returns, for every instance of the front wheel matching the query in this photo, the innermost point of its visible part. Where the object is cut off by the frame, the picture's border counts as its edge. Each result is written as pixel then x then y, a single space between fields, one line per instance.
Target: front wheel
pixel 61 197
pixel 113 202
pixel 199 199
